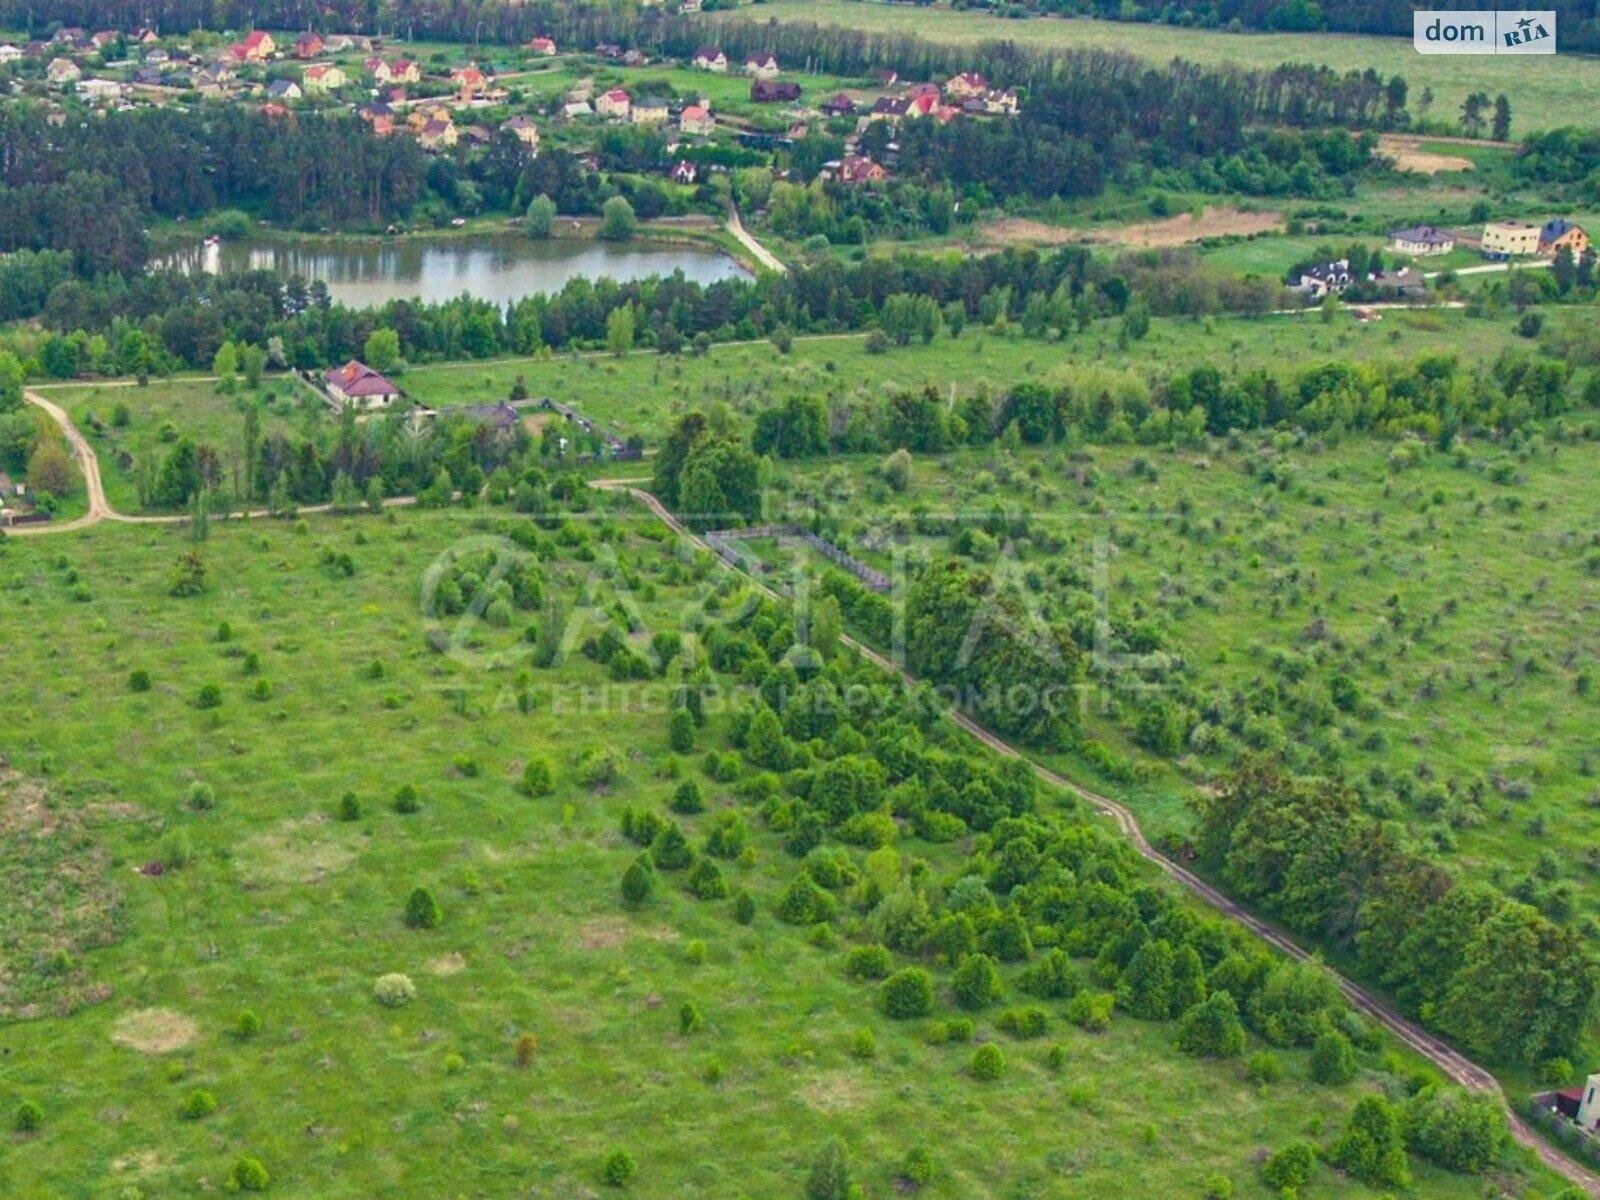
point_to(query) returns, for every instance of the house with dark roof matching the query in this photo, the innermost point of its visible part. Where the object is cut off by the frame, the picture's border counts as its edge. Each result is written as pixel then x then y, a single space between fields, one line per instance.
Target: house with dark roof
pixel 1560 233
pixel 356 385
pixel 839 106
pixel 854 169
pixel 709 58
pixel 1421 240
pixel 1319 280
pixel 762 66
pixel 774 91
pixel 308 45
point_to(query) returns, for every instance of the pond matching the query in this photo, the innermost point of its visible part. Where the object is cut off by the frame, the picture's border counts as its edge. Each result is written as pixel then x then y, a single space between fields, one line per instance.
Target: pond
pixel 496 267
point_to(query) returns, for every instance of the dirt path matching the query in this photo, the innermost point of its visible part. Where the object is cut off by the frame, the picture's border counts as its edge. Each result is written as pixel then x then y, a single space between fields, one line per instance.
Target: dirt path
pixel 1452 1062
pixel 759 252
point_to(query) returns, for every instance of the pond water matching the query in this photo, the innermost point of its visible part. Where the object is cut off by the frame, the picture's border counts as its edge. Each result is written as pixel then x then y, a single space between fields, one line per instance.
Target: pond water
pixel 497 267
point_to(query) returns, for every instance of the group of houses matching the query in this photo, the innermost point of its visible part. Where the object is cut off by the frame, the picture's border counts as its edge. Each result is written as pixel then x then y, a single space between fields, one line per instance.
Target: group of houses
pixel 1500 240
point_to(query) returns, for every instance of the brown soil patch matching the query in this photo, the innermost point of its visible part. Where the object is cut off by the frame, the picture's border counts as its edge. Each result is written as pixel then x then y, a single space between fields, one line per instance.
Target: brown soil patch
pixel 607 933
pixel 832 1092
pixel 304 851
pixel 154 1031
pixel 1408 155
pixel 1169 231
pixel 60 903
pixel 448 964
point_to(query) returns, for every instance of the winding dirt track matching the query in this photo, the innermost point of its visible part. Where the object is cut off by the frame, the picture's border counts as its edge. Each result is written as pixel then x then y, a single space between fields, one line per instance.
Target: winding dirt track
pixel 1452 1062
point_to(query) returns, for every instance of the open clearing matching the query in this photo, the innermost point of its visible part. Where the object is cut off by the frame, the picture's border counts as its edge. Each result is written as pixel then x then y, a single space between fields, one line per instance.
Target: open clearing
pixel 1144 235
pixel 1408 155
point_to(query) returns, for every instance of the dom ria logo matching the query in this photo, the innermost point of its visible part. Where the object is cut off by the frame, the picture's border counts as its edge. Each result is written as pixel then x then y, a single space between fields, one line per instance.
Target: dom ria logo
pixel 1484 32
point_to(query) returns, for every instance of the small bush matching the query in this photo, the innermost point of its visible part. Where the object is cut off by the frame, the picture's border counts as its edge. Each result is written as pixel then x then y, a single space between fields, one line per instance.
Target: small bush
pixel 176 849
pixel 868 962
pixel 527 1047
pixel 1333 1060
pixel 422 909
pixel 1056 1057
pixel 209 696
pixel 688 799
pixel 28 1117
pixel 394 991
pixel 744 907
pixel 1263 1067
pixel 247 1025
pixel 907 993
pixel 689 1019
pixel 406 801
pixel 863 1044
pixel 198 1103
pixel 349 807
pixel 917 1170
pixel 248 1175
pixel 1091 1011
pixel 704 880
pixel 695 953
pixel 537 778
pixel 1291 1166
pixel 1030 1021
pixel 988 1063
pixel 1217 1187
pixel 139 681
pixel 619 1169
pixel 638 881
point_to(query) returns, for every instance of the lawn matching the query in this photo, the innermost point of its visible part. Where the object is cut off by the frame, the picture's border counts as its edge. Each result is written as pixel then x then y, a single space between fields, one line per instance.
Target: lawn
pixel 1541 97
pixel 275 907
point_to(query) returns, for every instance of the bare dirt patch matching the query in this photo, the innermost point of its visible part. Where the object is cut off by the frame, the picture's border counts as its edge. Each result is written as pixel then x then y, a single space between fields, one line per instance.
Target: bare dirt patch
pixel 1169 231
pixel 60 902
pixel 1408 155
pixel 303 851
pixel 447 964
pixel 832 1092
pixel 607 933
pixel 154 1031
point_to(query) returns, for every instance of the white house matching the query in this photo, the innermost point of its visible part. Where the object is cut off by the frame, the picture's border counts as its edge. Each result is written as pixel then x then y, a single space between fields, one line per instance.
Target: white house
pixel 9 53
pixel 62 70
pixel 1589 1107
pixel 1323 278
pixel 357 385
pixel 762 66
pixel 709 58
pixel 98 91
pixel 1419 240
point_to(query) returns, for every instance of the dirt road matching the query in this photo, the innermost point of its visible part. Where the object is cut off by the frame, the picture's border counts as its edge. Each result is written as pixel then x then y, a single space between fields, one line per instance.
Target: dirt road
pixel 759 252
pixel 1455 1065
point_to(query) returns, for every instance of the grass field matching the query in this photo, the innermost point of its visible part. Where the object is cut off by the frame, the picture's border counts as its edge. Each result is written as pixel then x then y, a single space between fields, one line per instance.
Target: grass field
pixel 1542 97
pixel 279 909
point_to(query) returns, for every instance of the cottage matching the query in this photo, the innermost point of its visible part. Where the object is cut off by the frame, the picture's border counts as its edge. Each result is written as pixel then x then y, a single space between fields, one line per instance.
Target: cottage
pixel 321 79
pixel 404 72
pixel 1323 279
pixel 649 110
pixel 1507 239
pixel 770 91
pixel 1421 240
pixel 697 119
pixel 1581 1105
pixel 573 109
pixel 157 57
pixel 379 116
pixel 614 103
pixel 377 68
pixel 609 50
pixel 9 53
pixel 1001 102
pixel 839 106
pixel 967 85
pixel 524 129
pixel 339 43
pixel 709 58
pixel 308 45
pixel 144 37
pixel 62 71
pixel 500 418
pixel 284 89
pixel 468 79
pixel 356 385
pixel 103 40
pixel 762 66
pixel 542 45
pixel 886 78
pixel 635 58
pixel 99 91
pixel 258 46
pixel 924 104
pixel 146 77
pixel 887 108
pixel 684 172
pixel 854 169
pixel 272 110
pixel 70 35
pixel 1559 234
pixel 437 135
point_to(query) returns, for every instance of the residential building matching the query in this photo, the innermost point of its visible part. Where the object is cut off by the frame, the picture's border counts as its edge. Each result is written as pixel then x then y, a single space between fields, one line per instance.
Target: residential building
pixel 144 37
pixel 773 91
pixel 697 119
pixel 967 85
pixel 683 172
pixel 614 103
pixel 1001 102
pixel 468 80
pixel 308 45
pixel 1421 240
pixel 62 71
pixel 1508 239
pixel 404 72
pixel 379 116
pixel 839 106
pixel 525 130
pixel 437 135
pixel 573 109
pixel 9 53
pixel 357 385
pixel 378 69
pixel 762 66
pixel 1559 234
pixel 1318 281
pixel 99 91
pixel 542 45
pixel 257 46
pixel 709 58
pixel 648 110
pixel 323 78
pixel 1405 284
pixel 100 41
pixel 284 89
pixel 853 169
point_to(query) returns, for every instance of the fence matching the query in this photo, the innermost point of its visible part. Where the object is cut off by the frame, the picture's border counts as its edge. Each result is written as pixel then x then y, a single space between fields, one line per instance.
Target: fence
pixel 721 541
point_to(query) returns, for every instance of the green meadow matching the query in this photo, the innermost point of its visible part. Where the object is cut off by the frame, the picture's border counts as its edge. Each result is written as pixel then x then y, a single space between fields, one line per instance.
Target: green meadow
pixel 214 868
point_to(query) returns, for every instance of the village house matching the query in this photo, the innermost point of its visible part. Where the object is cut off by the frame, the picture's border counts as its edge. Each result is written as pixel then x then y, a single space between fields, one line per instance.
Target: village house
pixel 1000 102
pixel 1559 234
pixel 709 58
pixel 772 91
pixel 62 71
pixel 887 108
pixel 99 91
pixel 321 79
pixel 574 109
pixel 542 45
pixel 340 43
pixel 524 129
pixel 697 119
pixel 70 35
pixel 403 71
pixel 284 89
pixel 635 58
pixel 614 103
pixel 156 57
pixel 308 45
pixel 356 385
pixel 377 68
pixel 1421 240
pixel 967 85
pixel 1581 1106
pixel 1322 279
pixel 437 135
pixel 684 172
pixel 854 169
pixel 1405 284
pixel 144 37
pixel 468 81
pixel 257 47
pixel 272 110
pixel 838 106
pixel 1508 239
pixel 103 40
pixel 648 110
pixel 476 135
pixel 379 116
pixel 762 66
pixel 9 53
